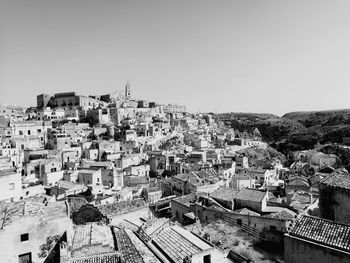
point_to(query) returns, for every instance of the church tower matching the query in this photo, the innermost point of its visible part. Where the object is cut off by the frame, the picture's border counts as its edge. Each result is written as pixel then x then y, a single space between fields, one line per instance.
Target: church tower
pixel 127 91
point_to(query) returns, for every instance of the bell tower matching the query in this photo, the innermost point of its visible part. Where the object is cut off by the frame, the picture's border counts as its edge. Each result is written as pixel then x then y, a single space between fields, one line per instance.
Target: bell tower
pixel 127 91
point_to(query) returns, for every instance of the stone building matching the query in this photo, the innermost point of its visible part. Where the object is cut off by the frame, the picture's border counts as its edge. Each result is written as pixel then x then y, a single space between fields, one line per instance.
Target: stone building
pixel 179 245
pixel 196 203
pixel 90 177
pixel 334 197
pixel 43 100
pixel 96 116
pixel 143 104
pixel 172 108
pixel 70 155
pixel 243 179
pixel 138 170
pixel 110 175
pixel 241 162
pixel 251 198
pixel 38 129
pixel 71 99
pixel 26 143
pixel 47 113
pixel 313 239
pixel 225 197
pixel 88 243
pixel 30 223
pixel 10 185
pixel 47 171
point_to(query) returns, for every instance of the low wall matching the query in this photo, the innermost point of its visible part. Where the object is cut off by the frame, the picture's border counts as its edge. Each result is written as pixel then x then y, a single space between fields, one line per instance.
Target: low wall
pixel 265 228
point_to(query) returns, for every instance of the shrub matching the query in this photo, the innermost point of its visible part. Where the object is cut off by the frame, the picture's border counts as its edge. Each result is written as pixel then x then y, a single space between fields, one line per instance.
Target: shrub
pixel 235 242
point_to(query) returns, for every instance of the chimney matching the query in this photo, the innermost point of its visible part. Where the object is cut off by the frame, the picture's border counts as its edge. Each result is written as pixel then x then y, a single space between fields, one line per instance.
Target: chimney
pixel 64 254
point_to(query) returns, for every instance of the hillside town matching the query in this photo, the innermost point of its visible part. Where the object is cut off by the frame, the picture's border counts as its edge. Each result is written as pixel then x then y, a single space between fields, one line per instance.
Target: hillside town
pixel 110 178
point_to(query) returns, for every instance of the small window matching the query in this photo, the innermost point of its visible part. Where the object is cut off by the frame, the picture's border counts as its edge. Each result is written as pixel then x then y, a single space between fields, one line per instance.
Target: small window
pixel 28 132
pixel 12 186
pixel 20 132
pixel 39 130
pixel 24 237
pixel 273 228
pixel 239 222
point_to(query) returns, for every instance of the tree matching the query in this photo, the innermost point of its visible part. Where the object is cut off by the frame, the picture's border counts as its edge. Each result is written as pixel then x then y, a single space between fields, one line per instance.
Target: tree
pixel 50 243
pixel 7 213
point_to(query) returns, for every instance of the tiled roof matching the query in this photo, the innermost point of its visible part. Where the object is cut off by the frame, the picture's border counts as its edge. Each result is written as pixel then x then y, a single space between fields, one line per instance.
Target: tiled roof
pixel 175 245
pixel 281 215
pixel 323 231
pixel 205 174
pixel 314 180
pixel 258 170
pixel 224 193
pixel 127 248
pixel 338 179
pixel 101 258
pixel 195 181
pixel 248 194
pixel 184 177
pixel 146 254
pixel 299 182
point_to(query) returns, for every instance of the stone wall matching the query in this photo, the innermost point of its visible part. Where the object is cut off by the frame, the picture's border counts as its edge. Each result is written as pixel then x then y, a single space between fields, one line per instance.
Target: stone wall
pixel 298 250
pixel 206 214
pixel 334 204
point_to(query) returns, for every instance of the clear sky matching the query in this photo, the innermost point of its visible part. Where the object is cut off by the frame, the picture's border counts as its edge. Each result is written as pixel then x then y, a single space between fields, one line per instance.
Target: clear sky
pixel 221 56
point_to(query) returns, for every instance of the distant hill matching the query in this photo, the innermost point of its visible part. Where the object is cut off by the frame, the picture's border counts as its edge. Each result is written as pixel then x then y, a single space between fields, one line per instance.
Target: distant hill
pixel 260 153
pixel 271 127
pixel 295 130
pixel 322 118
pixel 331 125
